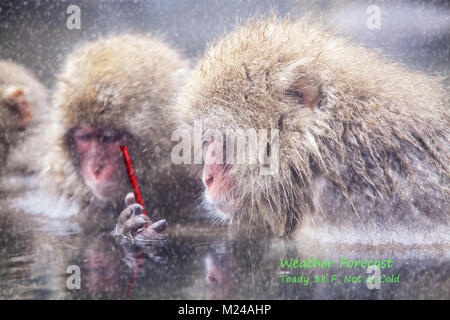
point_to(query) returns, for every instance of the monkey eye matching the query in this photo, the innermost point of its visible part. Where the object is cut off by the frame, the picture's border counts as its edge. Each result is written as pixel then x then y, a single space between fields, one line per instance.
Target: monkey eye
pixel 84 137
pixel 210 180
pixel 206 141
pixel 111 136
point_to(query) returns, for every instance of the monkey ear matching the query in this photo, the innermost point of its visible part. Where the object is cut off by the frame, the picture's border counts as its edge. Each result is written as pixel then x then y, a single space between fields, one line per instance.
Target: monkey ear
pixel 300 85
pixel 18 104
pixel 307 92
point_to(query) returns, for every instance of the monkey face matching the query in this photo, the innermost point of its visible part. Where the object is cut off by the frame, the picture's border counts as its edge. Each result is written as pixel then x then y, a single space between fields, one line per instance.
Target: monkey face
pixel 98 153
pixel 215 172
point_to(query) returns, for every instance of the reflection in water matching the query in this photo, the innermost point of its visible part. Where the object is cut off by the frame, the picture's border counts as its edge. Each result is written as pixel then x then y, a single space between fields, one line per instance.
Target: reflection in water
pixel 207 264
pixel 222 269
pixel 193 268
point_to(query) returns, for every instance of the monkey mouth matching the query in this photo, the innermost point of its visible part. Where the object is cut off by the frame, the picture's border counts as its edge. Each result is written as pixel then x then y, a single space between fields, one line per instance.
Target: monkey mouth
pixel 226 205
pixel 105 192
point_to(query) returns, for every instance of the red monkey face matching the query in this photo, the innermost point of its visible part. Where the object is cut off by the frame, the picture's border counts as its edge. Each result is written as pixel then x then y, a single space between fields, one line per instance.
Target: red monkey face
pixel 220 171
pixel 98 151
pixel 216 177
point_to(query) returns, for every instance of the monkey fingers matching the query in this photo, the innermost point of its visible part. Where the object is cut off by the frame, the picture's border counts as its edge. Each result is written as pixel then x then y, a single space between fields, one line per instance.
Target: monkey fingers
pixel 130 211
pixel 152 232
pixel 157 227
pixel 134 225
pixel 129 199
pixel 130 221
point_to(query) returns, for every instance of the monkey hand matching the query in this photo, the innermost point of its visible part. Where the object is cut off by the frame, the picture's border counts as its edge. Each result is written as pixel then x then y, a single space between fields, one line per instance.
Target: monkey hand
pixel 133 225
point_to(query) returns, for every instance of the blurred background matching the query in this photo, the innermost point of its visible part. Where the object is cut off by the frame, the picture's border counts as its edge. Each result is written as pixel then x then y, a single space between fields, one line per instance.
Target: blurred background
pixel 35 33
pixel 34 254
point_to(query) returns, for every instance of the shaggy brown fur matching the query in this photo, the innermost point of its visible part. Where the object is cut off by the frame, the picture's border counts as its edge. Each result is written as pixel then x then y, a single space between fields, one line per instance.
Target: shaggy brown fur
pixel 126 82
pixel 16 78
pixel 370 155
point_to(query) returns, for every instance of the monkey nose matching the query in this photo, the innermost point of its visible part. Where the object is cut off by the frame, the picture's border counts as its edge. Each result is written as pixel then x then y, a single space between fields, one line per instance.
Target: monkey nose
pixel 215 174
pixel 98 170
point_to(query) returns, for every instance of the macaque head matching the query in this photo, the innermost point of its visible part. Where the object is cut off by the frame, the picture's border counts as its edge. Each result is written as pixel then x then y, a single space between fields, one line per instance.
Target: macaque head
pixel 21 94
pixel 100 160
pixel 23 106
pixel 267 84
pixel 16 106
pixel 113 92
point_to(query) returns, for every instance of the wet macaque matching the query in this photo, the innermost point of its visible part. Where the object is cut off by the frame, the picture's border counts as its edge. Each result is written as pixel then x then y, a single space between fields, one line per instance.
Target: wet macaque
pixel 112 92
pixel 22 101
pixel 360 143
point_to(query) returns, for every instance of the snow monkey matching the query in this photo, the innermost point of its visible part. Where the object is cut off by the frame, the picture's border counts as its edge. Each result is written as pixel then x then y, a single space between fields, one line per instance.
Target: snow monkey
pixel 362 142
pixel 111 92
pixel 22 102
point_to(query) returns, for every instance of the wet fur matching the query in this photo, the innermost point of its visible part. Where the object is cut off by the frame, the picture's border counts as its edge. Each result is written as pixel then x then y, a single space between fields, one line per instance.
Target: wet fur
pixel 14 143
pixel 372 154
pixel 127 82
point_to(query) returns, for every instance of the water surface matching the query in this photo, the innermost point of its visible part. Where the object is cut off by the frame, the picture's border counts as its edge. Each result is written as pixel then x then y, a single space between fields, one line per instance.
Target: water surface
pixel 198 262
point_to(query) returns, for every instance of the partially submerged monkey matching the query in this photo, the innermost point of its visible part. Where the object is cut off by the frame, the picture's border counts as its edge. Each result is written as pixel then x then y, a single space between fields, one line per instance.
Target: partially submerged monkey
pixel 112 92
pixel 23 101
pixel 363 141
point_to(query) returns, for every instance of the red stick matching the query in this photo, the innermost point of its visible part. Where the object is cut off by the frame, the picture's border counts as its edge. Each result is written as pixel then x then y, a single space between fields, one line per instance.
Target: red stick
pixel 133 182
pixel 137 196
